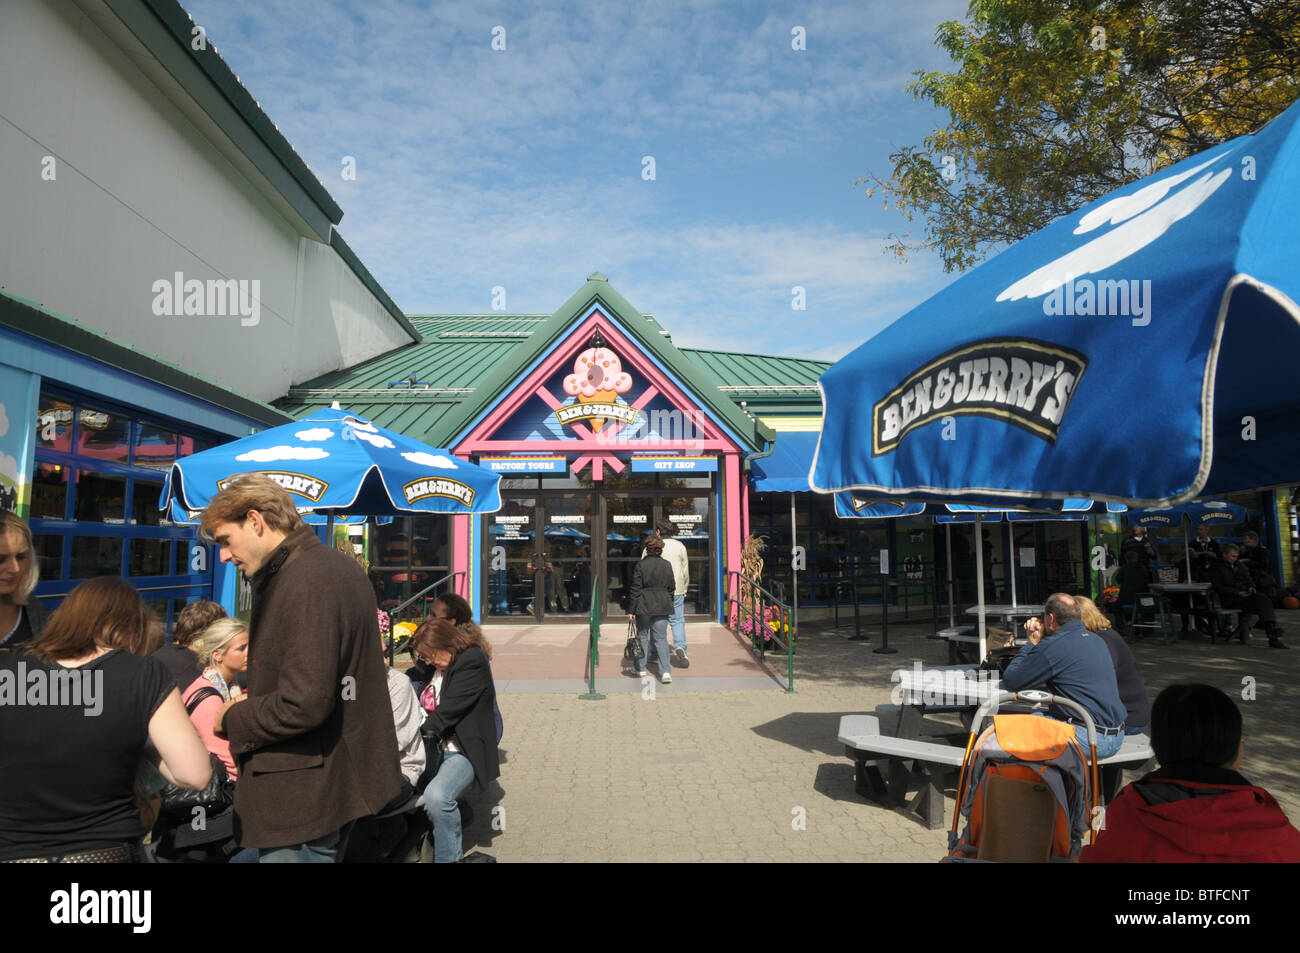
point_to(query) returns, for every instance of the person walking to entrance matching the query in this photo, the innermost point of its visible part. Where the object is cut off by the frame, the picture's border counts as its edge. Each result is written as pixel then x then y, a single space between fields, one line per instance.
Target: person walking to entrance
pixel 652 603
pixel 675 554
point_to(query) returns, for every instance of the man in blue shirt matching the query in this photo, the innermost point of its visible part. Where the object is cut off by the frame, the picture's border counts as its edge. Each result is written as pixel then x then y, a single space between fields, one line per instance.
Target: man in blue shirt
pixel 1073 663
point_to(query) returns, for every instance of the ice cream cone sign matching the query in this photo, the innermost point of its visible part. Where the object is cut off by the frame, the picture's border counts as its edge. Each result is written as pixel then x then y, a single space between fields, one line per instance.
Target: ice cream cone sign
pixel 597 380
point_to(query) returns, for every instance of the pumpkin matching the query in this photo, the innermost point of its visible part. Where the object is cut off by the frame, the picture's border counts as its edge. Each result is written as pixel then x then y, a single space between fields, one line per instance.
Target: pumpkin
pixel 1290 602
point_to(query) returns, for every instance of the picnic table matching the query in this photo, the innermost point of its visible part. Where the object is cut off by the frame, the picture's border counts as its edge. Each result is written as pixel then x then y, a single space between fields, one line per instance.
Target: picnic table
pixel 891 761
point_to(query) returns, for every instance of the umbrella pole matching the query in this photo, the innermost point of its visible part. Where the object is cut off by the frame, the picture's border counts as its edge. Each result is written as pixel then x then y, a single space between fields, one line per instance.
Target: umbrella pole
pixel 1187 552
pixel 1011 532
pixel 952 617
pixel 979 585
pixel 794 575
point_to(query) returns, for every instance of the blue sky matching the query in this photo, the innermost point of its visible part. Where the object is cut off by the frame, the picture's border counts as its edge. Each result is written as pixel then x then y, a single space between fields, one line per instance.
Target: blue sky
pixel 523 167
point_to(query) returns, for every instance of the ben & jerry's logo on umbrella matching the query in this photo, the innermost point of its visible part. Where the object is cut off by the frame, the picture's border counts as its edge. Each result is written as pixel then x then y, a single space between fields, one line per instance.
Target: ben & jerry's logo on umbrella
pixel 597 380
pixel 1020 381
pixel 299 483
pixel 1163 519
pixel 438 486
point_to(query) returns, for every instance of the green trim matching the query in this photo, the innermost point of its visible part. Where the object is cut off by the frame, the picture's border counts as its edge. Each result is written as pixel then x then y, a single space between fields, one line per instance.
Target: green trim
pixel 163 27
pixel 30 318
pixel 345 252
pixel 598 292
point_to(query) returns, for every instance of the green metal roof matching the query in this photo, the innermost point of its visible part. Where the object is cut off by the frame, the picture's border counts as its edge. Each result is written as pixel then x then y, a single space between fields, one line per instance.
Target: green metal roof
pixel 467 360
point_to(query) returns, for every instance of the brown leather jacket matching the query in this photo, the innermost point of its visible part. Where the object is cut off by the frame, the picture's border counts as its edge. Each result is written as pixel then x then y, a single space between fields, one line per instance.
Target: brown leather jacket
pixel 315 741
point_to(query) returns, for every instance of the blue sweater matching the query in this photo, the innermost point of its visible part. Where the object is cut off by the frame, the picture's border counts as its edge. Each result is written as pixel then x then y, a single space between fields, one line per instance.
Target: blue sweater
pixel 1075 663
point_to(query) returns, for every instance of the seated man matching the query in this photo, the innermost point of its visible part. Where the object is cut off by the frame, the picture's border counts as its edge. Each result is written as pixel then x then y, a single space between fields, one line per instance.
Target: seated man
pixel 1076 664
pixel 1256 559
pixel 1232 583
pixel 1196 807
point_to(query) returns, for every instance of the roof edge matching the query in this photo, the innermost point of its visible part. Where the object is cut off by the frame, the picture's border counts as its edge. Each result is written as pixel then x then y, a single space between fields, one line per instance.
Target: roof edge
pixel 35 320
pixel 345 252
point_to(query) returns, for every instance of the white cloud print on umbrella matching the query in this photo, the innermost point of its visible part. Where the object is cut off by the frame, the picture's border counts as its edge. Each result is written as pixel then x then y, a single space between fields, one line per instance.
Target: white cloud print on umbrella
pixel 271 454
pixel 1146 215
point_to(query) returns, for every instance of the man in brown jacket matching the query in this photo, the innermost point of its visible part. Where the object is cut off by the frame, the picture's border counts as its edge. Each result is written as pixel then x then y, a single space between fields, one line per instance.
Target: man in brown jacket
pixel 314 739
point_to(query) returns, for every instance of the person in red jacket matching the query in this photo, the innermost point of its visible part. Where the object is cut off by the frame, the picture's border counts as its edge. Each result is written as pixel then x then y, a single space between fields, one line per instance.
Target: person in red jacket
pixel 1196 808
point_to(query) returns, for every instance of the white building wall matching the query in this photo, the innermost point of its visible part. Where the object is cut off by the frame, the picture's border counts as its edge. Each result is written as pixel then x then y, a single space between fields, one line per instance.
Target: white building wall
pixel 140 193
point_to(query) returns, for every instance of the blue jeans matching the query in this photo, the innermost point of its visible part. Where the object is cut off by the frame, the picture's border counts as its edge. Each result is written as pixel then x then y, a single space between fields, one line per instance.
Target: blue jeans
pixel 1107 745
pixel 678 621
pixel 320 851
pixel 453 779
pixel 658 629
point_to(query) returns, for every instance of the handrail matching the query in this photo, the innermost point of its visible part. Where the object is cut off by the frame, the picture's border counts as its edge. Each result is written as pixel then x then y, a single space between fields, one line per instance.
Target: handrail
pixel 424 592
pixel 754 613
pixel 593 636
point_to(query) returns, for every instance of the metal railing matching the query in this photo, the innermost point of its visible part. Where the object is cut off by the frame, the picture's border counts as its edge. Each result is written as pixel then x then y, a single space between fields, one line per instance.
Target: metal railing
pixel 593 652
pixel 423 598
pixel 751 611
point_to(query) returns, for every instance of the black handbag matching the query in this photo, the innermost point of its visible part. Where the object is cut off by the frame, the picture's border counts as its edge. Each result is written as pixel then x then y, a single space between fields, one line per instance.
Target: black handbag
pixel 633 651
pixel 178 802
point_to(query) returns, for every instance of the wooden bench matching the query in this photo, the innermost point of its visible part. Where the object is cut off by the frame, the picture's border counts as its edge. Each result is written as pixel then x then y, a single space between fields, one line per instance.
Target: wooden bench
pixel 882 772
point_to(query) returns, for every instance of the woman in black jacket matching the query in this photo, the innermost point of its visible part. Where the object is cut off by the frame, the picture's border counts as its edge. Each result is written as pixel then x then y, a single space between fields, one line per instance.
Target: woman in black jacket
pixel 653 586
pixel 458 702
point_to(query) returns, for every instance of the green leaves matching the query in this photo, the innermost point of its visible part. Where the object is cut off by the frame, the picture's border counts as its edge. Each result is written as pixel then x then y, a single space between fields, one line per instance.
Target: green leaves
pixel 1055 103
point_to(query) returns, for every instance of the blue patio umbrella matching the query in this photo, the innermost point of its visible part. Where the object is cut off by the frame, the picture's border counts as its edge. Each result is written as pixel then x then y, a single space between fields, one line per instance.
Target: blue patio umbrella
pixel 1200 512
pixel 334 462
pixel 1140 350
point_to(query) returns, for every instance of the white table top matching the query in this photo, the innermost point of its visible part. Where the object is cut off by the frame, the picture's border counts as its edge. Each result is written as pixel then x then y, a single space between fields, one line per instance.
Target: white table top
pixel 1181 587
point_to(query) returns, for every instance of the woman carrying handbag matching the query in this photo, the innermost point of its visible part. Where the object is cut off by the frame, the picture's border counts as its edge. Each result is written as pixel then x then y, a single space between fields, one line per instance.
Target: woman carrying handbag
pixel 652 591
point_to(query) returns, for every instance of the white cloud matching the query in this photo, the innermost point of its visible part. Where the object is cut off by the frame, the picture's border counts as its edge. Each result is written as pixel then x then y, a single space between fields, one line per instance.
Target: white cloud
pixel 4 421
pixel 317 433
pixel 430 460
pixel 271 454
pixel 377 440
pixel 9 467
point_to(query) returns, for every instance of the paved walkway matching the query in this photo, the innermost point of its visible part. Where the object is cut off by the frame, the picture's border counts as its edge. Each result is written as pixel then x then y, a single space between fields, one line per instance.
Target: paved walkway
pixel 672 773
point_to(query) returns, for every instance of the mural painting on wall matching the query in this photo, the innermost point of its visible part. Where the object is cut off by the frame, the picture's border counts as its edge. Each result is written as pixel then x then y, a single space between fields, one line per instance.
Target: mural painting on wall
pixel 597 381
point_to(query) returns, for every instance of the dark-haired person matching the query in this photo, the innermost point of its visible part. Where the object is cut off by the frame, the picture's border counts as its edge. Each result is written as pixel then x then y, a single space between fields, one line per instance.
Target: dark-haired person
pixel 177 655
pixel 457 611
pixel 1075 663
pixel 458 703
pixel 68 767
pixel 651 605
pixel 21 617
pixel 313 737
pixel 1196 808
pixel 1236 590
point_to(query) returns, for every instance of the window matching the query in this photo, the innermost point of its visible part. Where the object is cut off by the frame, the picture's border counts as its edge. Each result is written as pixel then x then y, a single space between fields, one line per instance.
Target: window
pixel 95 490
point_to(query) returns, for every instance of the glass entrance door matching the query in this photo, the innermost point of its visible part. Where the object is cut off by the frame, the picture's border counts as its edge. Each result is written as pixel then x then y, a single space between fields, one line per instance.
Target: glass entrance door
pixel 512 559
pixel 629 520
pixel 566 557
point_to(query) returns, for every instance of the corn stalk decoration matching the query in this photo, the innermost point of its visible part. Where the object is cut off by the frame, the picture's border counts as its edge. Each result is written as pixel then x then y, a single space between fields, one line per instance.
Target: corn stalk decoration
pixel 751 567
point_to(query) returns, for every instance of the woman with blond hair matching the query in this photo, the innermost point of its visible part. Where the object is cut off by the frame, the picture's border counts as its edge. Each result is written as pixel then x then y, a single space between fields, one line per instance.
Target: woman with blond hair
pixel 1132 691
pixel 68 764
pixel 222 649
pixel 21 617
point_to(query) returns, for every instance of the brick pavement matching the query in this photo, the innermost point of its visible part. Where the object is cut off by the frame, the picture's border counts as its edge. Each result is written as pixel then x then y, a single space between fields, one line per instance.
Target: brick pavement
pixel 676 774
